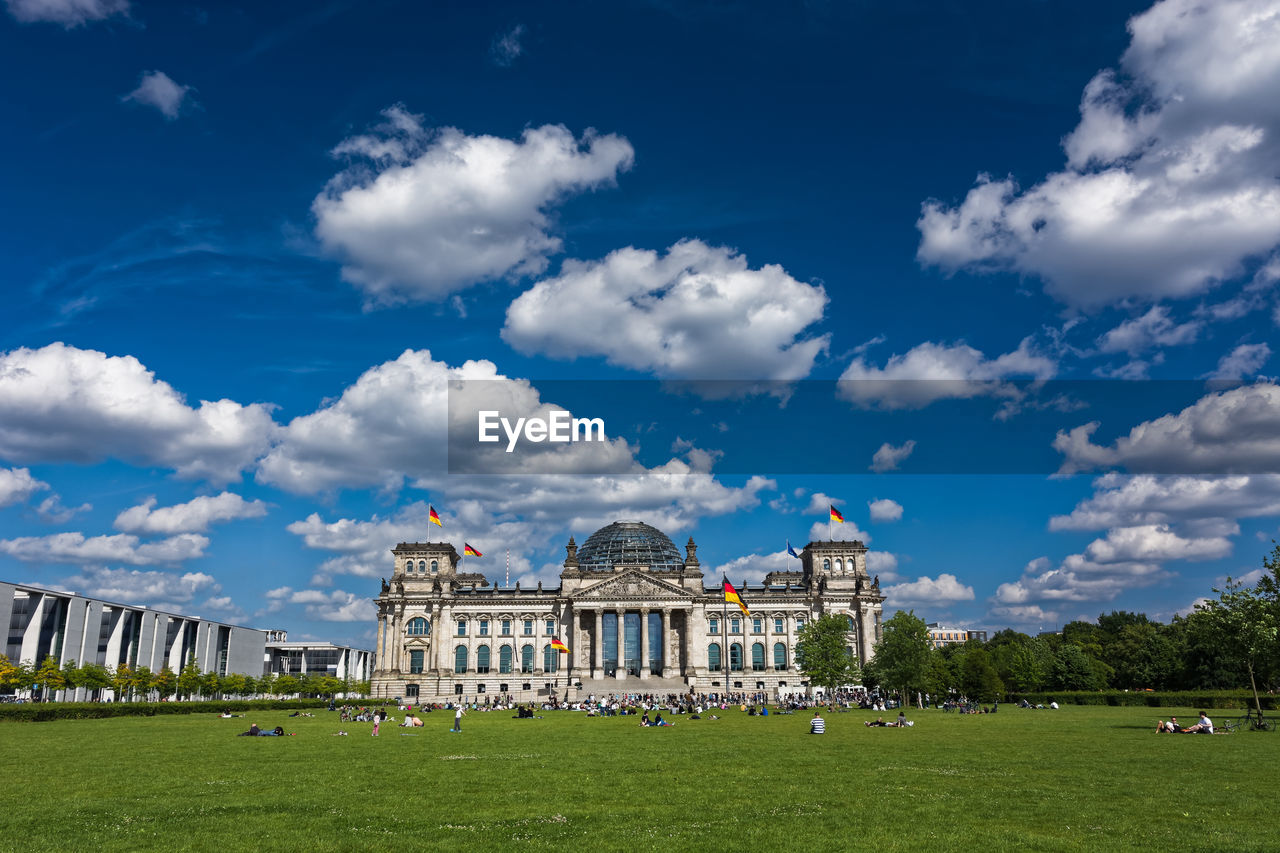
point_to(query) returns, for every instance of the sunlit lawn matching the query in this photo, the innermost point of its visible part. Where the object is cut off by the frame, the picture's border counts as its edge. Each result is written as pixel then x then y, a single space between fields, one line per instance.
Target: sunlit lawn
pixel 1073 779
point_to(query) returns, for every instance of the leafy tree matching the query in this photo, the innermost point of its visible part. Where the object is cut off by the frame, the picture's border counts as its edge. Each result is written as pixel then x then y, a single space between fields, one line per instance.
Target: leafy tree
pixel 1030 665
pixel 164 682
pixel 361 688
pixel 143 682
pixel 826 660
pixel 941 675
pixel 902 655
pixel 267 684
pixel 978 678
pixel 189 678
pixel 122 682
pixel 70 676
pixel 1246 622
pixel 49 676
pixel 94 677
pixel 286 685
pixel 329 685
pixel 1074 669
pixel 233 683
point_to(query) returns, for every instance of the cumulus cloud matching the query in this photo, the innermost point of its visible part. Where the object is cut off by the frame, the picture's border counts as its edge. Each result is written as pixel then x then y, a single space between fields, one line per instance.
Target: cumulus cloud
pixel 885 510
pixel 194 516
pixel 752 568
pixel 1129 501
pixel 1150 543
pixel 1169 185
pixel 120 548
pixel 1234 431
pixel 135 587
pixel 68 13
pixel 157 89
pixel 421 214
pixel 1154 328
pixel 1025 614
pixel 51 510
pixel 930 372
pixel 883 564
pixel 63 404
pixel 17 484
pixel 698 312
pixel 1242 362
pixel 821 531
pixel 946 589
pixel 889 457
pixel 507 47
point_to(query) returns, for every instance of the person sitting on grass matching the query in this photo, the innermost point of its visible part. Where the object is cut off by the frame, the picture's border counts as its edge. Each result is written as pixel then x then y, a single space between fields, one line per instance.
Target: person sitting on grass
pixel 902 720
pixel 1204 727
pixel 879 722
pixel 817 726
pixel 1167 728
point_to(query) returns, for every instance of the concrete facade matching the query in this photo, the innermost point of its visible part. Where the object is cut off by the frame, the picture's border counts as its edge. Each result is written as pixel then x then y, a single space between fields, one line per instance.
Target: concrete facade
pixel 444 633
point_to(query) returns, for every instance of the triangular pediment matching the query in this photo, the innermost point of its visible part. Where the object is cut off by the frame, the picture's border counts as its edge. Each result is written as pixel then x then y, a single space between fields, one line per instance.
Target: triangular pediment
pixel 632 586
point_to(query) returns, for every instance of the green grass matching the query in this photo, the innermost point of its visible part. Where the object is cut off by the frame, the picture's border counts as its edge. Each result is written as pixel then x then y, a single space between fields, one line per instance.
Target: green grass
pixel 1080 778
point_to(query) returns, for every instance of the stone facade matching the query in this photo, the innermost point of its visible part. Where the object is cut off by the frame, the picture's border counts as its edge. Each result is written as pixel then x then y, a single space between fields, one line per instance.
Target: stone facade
pixel 444 633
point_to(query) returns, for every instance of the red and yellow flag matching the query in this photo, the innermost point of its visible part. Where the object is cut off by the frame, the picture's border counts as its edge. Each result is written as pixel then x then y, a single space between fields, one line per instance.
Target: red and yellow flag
pixel 434 516
pixel 836 516
pixel 559 646
pixel 731 596
pixel 468 551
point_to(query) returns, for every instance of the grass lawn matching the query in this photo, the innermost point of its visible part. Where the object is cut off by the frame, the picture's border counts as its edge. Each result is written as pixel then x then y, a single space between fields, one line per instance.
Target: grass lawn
pixel 1080 778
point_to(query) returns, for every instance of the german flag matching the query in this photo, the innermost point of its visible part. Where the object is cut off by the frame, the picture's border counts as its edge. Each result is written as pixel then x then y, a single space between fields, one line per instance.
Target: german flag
pixel 835 515
pixel 468 551
pixel 731 596
pixel 559 646
pixel 434 516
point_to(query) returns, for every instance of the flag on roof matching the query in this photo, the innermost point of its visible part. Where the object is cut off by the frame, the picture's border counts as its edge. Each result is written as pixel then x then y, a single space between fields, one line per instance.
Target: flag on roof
pixel 468 551
pixel 434 516
pixel 792 551
pixel 835 515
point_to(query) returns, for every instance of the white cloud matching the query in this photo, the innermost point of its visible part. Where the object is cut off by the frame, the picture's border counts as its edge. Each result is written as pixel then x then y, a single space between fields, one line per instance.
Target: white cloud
pixel 1150 543
pixel 429 213
pixel 1025 614
pixel 134 587
pixel 1128 501
pixel 1227 432
pixel 947 589
pixel 699 312
pixel 1170 182
pixel 885 510
pixel 63 404
pixel 823 531
pixel 820 503
pixel 157 89
pixel 68 13
pixel 1154 328
pixel 506 47
pixel 883 564
pixel 752 568
pixel 52 511
pixel 120 548
pixel 889 457
pixel 1242 362
pixel 194 516
pixel 17 484
pixel 930 372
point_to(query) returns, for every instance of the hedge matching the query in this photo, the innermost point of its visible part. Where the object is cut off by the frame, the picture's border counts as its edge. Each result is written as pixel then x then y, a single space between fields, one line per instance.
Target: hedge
pixel 1225 699
pixel 44 712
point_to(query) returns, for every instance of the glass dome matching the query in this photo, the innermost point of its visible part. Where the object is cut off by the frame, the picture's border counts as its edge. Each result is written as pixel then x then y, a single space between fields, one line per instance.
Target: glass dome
pixel 631 543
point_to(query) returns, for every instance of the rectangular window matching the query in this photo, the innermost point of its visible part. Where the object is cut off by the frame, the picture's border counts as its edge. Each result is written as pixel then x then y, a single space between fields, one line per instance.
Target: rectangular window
pixel 506 627
pixel 415 661
pixel 735 625
pixel 778 627
pixel 551 626
pixel 484 627
pixel 528 627
pixel 799 623
pixel 713 627
pixel 462 627
pixel 757 625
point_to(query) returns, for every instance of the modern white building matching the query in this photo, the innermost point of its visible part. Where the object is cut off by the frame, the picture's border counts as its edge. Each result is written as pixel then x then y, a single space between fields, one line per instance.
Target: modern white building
pixel 70 627
pixel 635 615
pixel 303 658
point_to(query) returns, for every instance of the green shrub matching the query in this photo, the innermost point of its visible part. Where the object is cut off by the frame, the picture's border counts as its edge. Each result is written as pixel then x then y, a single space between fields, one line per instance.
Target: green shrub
pixel 45 712
pixel 1221 699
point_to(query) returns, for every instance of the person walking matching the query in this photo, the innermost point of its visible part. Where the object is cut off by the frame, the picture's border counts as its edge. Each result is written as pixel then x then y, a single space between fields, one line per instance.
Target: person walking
pixel 377 720
pixel 458 714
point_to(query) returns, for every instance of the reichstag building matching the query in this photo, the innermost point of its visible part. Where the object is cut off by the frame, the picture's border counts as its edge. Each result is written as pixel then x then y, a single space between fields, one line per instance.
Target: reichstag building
pixel 636 616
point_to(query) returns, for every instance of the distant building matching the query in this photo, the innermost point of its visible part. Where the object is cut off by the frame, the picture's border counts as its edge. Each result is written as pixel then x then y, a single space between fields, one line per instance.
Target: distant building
pixel 302 658
pixel 940 635
pixel 635 616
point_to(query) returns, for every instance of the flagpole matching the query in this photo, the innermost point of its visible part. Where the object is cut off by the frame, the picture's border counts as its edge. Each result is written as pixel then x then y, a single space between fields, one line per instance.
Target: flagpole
pixel 725 602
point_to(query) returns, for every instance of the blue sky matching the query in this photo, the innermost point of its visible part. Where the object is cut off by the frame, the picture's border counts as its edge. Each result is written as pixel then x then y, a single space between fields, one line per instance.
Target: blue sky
pixel 999 282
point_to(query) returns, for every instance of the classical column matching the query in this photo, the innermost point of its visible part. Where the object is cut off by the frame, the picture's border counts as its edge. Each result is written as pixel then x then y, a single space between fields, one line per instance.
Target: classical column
pixel 396 640
pixel 665 645
pixel 621 671
pixel 597 667
pixel 768 645
pixel 644 642
pixel 382 635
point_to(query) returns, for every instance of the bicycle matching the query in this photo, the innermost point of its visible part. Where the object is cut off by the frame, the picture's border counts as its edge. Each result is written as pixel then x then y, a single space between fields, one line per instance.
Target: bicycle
pixel 1252 721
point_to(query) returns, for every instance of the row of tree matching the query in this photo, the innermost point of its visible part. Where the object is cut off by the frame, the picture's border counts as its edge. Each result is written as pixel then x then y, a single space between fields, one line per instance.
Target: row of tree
pixel 1227 642
pixel 140 683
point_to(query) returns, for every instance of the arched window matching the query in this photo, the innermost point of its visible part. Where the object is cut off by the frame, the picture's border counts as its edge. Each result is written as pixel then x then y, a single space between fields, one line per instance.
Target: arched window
pixel 735 657
pixel 826 563
pixel 460 659
pixel 839 565
pixel 435 566
pixel 418 627
pixel 848 650
pixel 422 565
pixel 779 656
pixel 713 657
pixel 504 659
pixel 482 659
pixel 848 624
pixel 757 657
pixel 526 659
pixel 550 659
